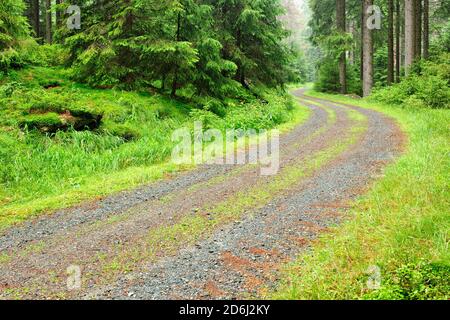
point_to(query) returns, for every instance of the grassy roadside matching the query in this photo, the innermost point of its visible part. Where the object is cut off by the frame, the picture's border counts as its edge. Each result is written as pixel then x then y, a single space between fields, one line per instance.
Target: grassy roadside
pixel 40 173
pixel 397 233
pixel 191 228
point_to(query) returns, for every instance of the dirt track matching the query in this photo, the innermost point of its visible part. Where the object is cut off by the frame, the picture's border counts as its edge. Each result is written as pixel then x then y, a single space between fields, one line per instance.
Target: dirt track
pixel 215 232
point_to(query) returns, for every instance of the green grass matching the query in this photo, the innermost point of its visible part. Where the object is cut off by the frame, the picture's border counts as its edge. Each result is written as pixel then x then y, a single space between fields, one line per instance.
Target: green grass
pixel 42 172
pixel 401 226
pixel 191 228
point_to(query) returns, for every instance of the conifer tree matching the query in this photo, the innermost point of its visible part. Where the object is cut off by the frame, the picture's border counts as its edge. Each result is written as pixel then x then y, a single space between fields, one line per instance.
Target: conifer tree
pixel 13 29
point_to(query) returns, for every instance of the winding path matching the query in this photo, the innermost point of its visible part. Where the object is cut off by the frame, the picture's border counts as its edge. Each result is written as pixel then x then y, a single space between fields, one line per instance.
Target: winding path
pixel 215 232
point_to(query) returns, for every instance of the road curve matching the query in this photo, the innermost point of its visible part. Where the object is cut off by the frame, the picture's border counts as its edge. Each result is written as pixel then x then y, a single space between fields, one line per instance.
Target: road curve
pixel 218 232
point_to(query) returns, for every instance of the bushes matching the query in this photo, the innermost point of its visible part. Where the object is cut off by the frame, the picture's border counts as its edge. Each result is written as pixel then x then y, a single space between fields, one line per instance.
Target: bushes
pixel 47 55
pixel 422 281
pixel 265 113
pixel 259 114
pixel 328 78
pixel 27 52
pixel 427 86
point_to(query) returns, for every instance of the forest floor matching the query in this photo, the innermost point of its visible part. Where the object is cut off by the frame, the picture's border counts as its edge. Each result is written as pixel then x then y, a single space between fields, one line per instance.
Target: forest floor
pixel 215 232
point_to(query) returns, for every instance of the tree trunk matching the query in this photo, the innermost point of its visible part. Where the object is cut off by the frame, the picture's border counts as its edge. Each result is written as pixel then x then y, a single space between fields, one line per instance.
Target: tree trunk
pixel 418 29
pixel 29 11
pixel 48 21
pixel 367 51
pixel 390 73
pixel 410 33
pixel 351 54
pixel 361 74
pixel 426 29
pixel 175 78
pixel 36 23
pixel 398 62
pixel 58 14
pixel 340 21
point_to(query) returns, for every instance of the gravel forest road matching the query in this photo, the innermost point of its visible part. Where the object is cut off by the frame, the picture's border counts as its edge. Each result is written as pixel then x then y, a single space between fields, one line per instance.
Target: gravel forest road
pixel 217 232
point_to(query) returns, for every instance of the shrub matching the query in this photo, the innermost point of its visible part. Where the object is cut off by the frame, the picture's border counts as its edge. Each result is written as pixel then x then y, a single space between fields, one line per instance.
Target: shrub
pixel 415 282
pixel 7 90
pixel 211 104
pixel 328 78
pixel 259 114
pixel 208 119
pixel 426 86
pixel 51 55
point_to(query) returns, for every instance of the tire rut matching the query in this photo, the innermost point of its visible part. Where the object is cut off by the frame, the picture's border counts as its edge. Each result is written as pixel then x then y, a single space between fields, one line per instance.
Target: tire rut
pixel 243 259
pixel 227 263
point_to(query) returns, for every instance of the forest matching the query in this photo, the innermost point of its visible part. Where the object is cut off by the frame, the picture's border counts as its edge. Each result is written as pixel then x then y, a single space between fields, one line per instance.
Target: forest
pixel 91 92
pixel 402 40
pixel 185 59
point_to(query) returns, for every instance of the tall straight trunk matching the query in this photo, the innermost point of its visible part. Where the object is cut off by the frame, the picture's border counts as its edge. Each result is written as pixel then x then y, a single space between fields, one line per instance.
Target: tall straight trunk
pixel 397 42
pixel 178 38
pixel 48 21
pixel 362 43
pixel 341 22
pixel 418 29
pixel 426 28
pixel 410 33
pixel 367 50
pixel 390 71
pixel 35 13
pixel 58 14
pixel 403 39
pixel 351 54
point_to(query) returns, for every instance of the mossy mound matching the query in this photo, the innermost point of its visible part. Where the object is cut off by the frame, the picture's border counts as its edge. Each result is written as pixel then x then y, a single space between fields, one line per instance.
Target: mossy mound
pixel 51 122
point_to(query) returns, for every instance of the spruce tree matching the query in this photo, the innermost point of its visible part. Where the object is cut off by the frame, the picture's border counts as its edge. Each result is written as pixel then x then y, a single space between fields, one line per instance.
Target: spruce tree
pixel 13 29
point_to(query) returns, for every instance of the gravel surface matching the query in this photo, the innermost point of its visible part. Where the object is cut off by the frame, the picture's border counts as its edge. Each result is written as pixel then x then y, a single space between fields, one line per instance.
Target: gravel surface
pixel 62 220
pixel 236 260
pixel 242 259
pixel 58 222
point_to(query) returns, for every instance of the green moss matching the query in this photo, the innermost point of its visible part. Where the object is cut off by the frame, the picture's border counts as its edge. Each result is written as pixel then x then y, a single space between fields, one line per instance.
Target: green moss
pixel 48 122
pixel 125 131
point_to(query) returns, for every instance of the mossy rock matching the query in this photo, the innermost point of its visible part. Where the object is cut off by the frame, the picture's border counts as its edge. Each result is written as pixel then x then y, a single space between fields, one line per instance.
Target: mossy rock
pixel 82 119
pixel 51 84
pixel 47 123
pixel 43 107
pixel 52 122
pixel 124 131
